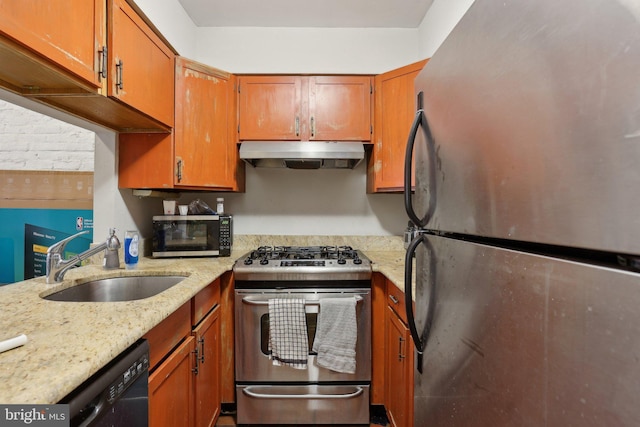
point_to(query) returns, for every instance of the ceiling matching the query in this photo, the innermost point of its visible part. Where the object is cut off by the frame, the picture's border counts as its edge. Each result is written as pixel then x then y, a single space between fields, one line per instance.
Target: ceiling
pixel 307 13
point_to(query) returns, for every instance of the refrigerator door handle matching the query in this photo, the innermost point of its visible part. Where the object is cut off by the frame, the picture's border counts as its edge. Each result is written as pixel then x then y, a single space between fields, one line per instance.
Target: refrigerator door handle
pixel 408 158
pixel 420 121
pixel 420 341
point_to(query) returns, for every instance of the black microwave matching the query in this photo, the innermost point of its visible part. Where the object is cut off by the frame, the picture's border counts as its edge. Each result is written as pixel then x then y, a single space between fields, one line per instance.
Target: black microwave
pixel 192 235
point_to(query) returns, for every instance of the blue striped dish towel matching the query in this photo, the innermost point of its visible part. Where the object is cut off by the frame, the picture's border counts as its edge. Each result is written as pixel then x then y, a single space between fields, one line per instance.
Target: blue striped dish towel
pixel 288 339
pixel 337 334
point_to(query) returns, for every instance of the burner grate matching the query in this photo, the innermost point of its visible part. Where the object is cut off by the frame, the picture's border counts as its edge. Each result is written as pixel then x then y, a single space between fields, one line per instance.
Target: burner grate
pixel 303 252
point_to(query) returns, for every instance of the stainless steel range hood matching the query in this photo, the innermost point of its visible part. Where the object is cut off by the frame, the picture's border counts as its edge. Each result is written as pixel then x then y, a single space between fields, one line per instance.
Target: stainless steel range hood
pixel 302 154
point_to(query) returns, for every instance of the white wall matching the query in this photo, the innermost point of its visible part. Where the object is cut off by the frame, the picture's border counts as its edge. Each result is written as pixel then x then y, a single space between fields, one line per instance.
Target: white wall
pixel 319 202
pixel 440 19
pixel 307 50
pixel 172 21
pixel 33 141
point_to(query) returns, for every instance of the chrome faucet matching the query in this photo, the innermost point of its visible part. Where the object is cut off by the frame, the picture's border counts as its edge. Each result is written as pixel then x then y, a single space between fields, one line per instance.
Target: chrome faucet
pixel 57 266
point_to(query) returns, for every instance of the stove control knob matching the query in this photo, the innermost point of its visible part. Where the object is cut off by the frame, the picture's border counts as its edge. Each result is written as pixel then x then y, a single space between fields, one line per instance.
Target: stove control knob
pixel 342 261
pixel 248 261
pixel 357 261
pixel 264 261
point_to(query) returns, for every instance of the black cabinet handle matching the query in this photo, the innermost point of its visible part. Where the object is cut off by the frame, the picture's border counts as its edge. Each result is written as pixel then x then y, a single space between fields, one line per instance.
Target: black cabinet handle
pixel 102 64
pixel 119 73
pixel 195 369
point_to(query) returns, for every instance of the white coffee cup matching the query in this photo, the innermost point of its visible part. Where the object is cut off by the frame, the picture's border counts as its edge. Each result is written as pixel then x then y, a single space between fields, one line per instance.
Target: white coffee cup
pixel 184 209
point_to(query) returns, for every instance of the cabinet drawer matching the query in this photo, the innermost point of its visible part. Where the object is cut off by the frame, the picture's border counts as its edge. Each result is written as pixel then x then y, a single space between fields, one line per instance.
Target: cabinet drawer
pixel 204 301
pixel 168 334
pixel 395 300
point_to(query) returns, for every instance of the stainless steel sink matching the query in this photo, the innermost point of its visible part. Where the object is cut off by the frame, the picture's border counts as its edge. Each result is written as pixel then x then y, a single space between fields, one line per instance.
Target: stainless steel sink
pixel 117 289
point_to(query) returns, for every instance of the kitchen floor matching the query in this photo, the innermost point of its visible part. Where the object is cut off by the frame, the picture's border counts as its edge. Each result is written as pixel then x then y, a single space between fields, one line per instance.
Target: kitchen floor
pixel 378 418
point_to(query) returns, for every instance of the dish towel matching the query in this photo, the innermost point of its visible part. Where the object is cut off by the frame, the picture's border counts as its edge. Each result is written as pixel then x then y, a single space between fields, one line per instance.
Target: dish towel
pixel 336 334
pixel 288 339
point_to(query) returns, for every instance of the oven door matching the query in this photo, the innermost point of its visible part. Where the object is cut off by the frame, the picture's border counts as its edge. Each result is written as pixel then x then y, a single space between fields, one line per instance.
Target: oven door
pixel 252 337
pixel 303 404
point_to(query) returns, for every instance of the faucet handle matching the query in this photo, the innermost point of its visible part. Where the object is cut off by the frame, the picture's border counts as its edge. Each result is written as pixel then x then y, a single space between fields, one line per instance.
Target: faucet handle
pixel 58 247
pixel 113 242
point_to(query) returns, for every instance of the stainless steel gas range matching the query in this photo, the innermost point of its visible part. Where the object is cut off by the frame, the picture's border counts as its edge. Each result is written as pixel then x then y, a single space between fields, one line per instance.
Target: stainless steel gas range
pixel 303 335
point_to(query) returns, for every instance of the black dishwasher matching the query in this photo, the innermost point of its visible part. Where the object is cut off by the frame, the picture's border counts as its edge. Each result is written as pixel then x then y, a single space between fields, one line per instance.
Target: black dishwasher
pixel 117 395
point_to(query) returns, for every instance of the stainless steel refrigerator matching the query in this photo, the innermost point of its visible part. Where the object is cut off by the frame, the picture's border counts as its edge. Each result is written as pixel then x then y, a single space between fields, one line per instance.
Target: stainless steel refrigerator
pixel 526 266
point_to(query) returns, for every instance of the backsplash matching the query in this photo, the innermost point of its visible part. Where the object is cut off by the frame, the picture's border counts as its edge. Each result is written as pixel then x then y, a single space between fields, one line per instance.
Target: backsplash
pixel 370 243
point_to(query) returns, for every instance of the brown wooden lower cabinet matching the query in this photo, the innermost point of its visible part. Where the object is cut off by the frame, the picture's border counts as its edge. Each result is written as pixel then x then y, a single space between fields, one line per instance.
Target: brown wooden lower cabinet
pixel 207 379
pixel 399 361
pixel 170 389
pixel 399 384
pixel 184 380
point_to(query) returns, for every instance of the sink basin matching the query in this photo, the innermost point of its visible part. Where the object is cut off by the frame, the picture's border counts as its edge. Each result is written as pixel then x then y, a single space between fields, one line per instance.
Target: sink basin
pixel 117 289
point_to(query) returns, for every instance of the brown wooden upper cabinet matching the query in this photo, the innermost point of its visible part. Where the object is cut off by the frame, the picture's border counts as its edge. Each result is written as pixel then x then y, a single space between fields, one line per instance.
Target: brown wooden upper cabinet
pixel 65 32
pixel 201 153
pixel 395 108
pixel 305 108
pixel 205 151
pixel 140 63
pixel 98 59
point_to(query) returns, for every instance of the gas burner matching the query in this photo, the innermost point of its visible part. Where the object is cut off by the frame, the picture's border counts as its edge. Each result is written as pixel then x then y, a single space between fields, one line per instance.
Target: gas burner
pixel 302 261
pixel 302 252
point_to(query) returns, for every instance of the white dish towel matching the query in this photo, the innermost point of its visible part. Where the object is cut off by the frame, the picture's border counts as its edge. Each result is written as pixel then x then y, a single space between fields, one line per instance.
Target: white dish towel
pixel 288 339
pixel 336 334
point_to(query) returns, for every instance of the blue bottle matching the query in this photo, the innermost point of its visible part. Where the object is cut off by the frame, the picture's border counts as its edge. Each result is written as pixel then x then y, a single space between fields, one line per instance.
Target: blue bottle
pixel 131 240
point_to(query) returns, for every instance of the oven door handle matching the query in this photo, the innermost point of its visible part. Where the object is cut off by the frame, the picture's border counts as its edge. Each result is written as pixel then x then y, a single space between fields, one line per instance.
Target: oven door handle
pixel 315 302
pixel 248 392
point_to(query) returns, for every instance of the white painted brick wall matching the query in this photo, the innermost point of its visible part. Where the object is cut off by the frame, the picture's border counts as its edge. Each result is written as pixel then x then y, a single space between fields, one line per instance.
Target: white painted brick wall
pixel 33 141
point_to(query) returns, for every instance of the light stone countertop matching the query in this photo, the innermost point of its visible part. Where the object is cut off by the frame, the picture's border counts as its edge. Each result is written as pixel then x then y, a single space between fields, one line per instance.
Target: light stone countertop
pixel 70 341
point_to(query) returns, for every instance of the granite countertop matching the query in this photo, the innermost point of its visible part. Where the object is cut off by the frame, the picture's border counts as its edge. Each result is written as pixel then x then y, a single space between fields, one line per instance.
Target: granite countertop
pixel 70 341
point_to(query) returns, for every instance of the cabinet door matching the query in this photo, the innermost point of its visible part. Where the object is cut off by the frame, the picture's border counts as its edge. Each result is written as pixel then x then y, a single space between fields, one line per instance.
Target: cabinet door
pixel 171 388
pixel 395 108
pixel 340 108
pixel 204 155
pixel 141 65
pixel 399 372
pixel 269 107
pixel 145 160
pixel 67 32
pixel 203 140
pixel 207 378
